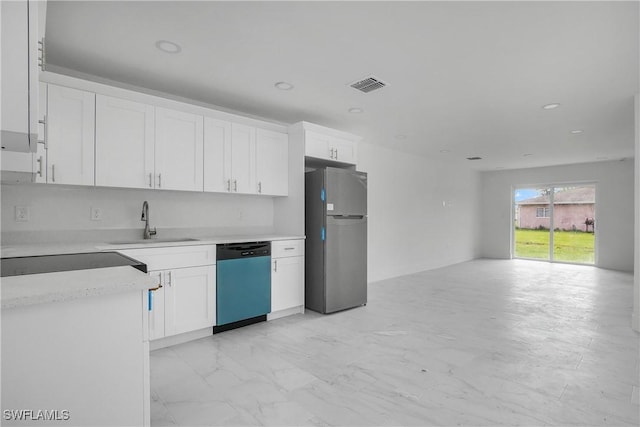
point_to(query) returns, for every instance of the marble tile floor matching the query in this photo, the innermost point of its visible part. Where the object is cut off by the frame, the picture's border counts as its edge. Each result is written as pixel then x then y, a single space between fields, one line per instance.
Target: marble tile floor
pixel 486 342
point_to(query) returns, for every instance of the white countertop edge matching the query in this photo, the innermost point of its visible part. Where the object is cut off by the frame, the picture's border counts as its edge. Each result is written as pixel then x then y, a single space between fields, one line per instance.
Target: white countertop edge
pixel 34 249
pixel 32 289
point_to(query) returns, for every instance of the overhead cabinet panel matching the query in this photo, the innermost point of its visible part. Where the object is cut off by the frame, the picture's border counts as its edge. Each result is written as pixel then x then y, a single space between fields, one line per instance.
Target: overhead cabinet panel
pixel 243 158
pixel 70 128
pixel 124 143
pixel 217 155
pixel 19 75
pixel 178 150
pixel 272 162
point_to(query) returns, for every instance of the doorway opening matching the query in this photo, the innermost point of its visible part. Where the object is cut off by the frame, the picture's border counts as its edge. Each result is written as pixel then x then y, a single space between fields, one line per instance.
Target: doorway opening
pixel 555 223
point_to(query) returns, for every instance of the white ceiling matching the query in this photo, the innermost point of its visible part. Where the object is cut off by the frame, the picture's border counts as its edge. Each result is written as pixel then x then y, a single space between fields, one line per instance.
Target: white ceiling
pixel 467 77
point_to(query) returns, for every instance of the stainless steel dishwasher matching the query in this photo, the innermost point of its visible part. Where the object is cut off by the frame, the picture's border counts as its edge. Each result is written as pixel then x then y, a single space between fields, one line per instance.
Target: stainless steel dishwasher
pixel 243 284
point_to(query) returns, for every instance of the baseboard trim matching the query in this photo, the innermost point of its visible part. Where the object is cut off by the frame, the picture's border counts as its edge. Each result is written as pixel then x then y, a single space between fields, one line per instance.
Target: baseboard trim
pixel 286 312
pixel 180 338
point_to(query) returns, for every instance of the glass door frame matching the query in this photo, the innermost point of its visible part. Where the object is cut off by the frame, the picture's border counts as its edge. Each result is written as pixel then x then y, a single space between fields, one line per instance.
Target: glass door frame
pixel 552 187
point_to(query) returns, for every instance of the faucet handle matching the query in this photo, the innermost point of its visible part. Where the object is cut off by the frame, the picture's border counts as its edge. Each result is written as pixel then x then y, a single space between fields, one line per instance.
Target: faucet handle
pixel 153 231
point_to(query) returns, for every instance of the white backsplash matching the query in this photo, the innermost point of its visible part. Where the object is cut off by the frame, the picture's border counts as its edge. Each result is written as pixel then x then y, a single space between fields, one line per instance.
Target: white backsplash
pixel 62 213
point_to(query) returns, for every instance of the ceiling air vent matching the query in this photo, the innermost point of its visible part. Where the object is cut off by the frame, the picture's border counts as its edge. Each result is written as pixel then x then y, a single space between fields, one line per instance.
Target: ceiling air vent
pixel 474 158
pixel 368 84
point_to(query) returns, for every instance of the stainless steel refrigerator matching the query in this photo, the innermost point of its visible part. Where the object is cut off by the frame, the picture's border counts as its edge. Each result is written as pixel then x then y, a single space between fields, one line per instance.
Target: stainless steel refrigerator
pixel 336 243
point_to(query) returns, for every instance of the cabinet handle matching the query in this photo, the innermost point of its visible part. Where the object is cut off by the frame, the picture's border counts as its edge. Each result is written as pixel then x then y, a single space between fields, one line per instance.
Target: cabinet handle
pixel 39 160
pixel 53 173
pixel 275 265
pixel 150 180
pixel 44 140
pixel 235 185
pixel 260 187
pixel 229 185
pixel 169 278
pixel 42 57
pixel 159 180
pixel 156 288
pixel 289 249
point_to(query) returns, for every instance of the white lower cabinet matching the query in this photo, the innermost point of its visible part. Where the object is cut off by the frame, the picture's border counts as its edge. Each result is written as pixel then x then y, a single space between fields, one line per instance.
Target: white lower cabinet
pixel 184 299
pixel 287 277
pixel 189 299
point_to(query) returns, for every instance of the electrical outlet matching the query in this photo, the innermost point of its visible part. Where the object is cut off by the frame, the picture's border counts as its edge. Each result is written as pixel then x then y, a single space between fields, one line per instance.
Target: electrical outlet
pixel 22 214
pixel 96 214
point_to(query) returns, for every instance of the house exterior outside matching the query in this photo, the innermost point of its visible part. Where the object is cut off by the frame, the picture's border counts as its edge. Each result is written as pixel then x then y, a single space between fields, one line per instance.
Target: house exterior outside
pixel 572 208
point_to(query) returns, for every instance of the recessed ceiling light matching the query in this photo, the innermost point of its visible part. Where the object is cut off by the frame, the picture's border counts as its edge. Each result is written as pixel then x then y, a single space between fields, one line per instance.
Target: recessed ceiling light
pixel 445 151
pixel 283 86
pixel 401 136
pixel 168 46
pixel 576 131
pixel 550 106
pixel 355 110
pixel 527 154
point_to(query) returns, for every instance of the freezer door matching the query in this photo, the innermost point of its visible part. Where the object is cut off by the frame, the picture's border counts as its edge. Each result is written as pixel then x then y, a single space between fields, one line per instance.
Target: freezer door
pixel 346 192
pixel 346 263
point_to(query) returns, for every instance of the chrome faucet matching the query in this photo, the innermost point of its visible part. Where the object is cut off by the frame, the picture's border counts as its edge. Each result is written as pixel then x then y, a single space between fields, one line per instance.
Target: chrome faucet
pixel 145 217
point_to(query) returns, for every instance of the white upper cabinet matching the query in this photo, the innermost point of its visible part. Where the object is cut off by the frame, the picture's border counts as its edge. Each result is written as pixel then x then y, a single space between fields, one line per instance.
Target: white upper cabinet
pixel 178 150
pixel 217 155
pixel 344 151
pixel 327 147
pixel 317 145
pixel 70 123
pixel 325 144
pixel 272 162
pixel 124 143
pixel 19 76
pixel 243 159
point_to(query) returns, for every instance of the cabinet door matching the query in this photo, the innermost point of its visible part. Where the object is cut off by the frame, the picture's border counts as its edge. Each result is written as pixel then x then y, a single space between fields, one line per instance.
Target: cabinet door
pixel 178 150
pixel 317 145
pixel 243 155
pixel 272 162
pixel 124 143
pixel 344 150
pixel 217 155
pixel 156 308
pixel 287 283
pixel 70 136
pixel 190 299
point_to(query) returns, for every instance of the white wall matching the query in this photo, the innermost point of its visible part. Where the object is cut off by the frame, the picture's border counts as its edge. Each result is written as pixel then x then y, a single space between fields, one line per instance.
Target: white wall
pixel 409 228
pixel 614 207
pixel 62 212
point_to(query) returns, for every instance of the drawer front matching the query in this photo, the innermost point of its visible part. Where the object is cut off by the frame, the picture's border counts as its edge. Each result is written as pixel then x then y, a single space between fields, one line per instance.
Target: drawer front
pixel 287 248
pixel 174 257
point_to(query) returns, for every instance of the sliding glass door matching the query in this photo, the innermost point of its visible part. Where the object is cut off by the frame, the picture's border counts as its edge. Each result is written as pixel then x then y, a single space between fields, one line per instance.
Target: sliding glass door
pixel 532 223
pixel 555 223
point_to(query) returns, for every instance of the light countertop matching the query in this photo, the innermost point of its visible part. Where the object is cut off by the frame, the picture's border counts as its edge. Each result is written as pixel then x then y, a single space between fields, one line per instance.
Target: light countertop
pixel 31 289
pixel 18 291
pixel 34 249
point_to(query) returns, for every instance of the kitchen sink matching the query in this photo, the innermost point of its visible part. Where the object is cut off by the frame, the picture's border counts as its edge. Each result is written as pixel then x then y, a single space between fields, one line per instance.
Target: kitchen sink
pixel 167 240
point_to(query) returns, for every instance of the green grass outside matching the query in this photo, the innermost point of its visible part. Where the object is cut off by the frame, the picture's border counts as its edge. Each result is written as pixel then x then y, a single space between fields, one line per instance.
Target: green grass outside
pixel 569 246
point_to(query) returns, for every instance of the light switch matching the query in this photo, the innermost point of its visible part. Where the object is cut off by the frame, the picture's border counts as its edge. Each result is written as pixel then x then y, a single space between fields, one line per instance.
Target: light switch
pixel 22 214
pixel 96 214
